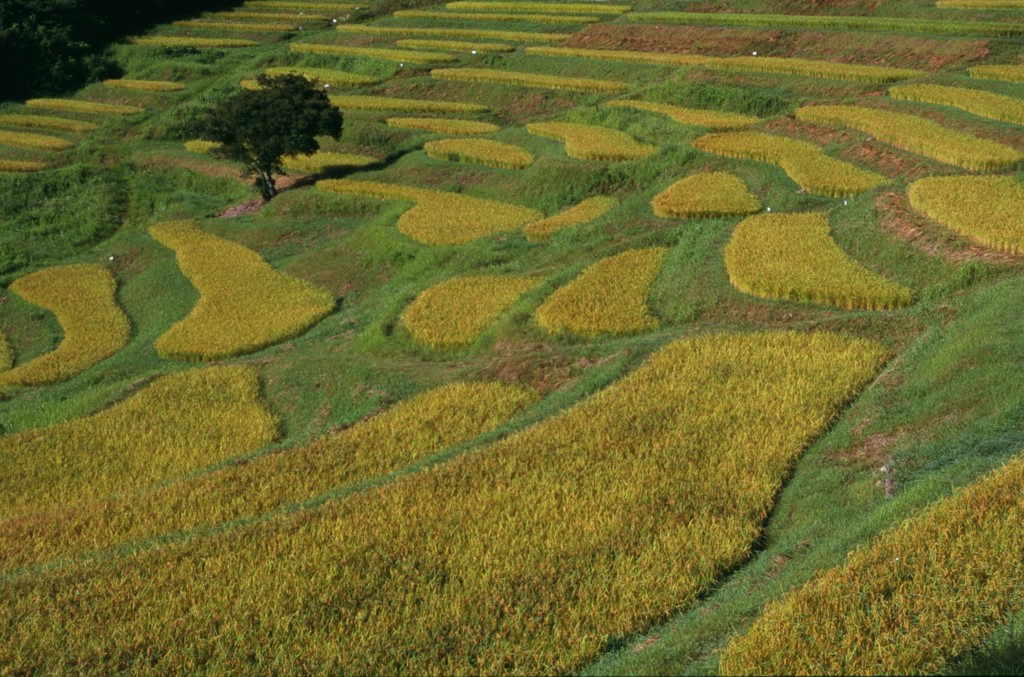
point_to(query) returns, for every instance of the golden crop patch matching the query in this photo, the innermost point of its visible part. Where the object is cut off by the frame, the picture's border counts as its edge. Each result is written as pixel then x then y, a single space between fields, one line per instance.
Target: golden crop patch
pixel 519 79
pixel 793 257
pixel 200 43
pixel 545 7
pixel 976 101
pixel 450 33
pixel 456 45
pixel 324 76
pixel 387 103
pixel 454 312
pixel 244 304
pixel 6 354
pixel 412 430
pixel 479 151
pixel 917 135
pixel 47 122
pixel 526 556
pixel 692 117
pixel 1007 72
pixel 592 142
pixel 83 297
pixel 32 141
pixel 438 217
pixel 608 297
pixel 251 26
pixel 705 194
pixel 496 16
pixel 22 165
pixel 588 210
pixel 401 55
pixel 321 160
pixel 201 146
pixel 985 209
pixel 177 424
pixel 803 161
pixel 443 125
pixel 88 107
pixel 144 85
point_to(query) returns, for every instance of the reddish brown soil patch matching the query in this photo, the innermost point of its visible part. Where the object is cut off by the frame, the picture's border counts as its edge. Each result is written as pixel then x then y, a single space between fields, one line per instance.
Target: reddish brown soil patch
pixel 250 207
pixel 647 643
pixel 873 450
pixel 886 50
pixel 673 39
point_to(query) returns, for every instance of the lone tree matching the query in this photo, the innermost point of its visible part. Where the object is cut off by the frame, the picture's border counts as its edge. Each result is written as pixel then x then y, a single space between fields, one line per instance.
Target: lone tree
pixel 259 127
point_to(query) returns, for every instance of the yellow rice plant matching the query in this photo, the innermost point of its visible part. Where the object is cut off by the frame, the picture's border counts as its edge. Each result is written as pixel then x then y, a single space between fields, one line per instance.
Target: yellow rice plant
pixel 527 556
pixel 199 43
pixel 627 56
pixel 387 103
pixel 909 602
pixel 457 46
pixel 705 194
pixel 201 146
pixel 450 33
pixel 479 151
pixel 298 6
pixel 692 117
pixel 976 101
pixel 803 161
pixel 321 160
pixel 496 16
pixel 144 85
pixel 409 432
pixel 520 79
pixel 794 258
pixel 917 135
pixel 1007 72
pixel 251 26
pixel 985 209
pixel 87 107
pixel 242 15
pixel 608 297
pixel 47 122
pixel 6 354
pixel 442 125
pixel 454 312
pixel 544 7
pixel 401 55
pixel 178 424
pixel 325 76
pixel 592 142
pixel 32 141
pixel 980 4
pixel 438 217
pixel 586 211
pixel 244 304
pixel 22 165
pixel 83 297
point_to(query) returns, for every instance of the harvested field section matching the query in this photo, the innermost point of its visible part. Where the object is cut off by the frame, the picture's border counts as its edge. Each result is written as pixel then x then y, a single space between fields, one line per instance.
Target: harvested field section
pixel 592 142
pixel 588 210
pixel 986 209
pixel 705 194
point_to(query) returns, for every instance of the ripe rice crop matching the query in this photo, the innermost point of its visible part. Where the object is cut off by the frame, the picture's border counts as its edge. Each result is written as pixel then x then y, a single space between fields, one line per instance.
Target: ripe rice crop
pixel 705 194
pixel 452 33
pixel 527 556
pixel 235 25
pixel 324 76
pixel 985 209
pixel 441 218
pixel 47 122
pixel 321 160
pixel 361 102
pixel 917 135
pixel 177 424
pixel 457 46
pixel 201 146
pixel 144 85
pixel 592 142
pixel 803 161
pixel 588 210
pixel 976 101
pixel 6 354
pixel 793 257
pixel 406 433
pixel 520 79
pixel 911 601
pixel 692 117
pixel 88 107
pixel 266 16
pixel 549 7
pixel 297 6
pixel 1006 72
pixel 244 304
pixel 479 151
pixel 402 55
pixel 200 43
pixel 454 312
pixel 22 165
pixel 495 16
pixel 83 297
pixel 627 56
pixel 443 125
pixel 608 297
pixel 31 141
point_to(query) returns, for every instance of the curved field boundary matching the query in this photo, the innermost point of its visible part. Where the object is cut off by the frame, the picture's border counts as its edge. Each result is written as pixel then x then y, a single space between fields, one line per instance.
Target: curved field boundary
pixel 985 209
pixel 144 85
pixel 976 101
pixel 48 122
pixel 453 33
pixel 321 160
pixel 455 312
pixel 442 125
pixel 400 55
pixel 496 16
pixel 705 194
pixel 177 424
pixel 438 217
pixel 588 210
pixel 32 141
pixel 88 107
pixel 608 297
pixel 593 142
pixel 545 7
pixel 244 304
pixel 917 135
pixel 692 117
pixel 793 257
pixel 83 297
pixel 387 103
pixel 479 151
pixel 598 522
pixel 406 433
pixel 803 161
pixel 519 79
pixel 1005 72
pixel 199 43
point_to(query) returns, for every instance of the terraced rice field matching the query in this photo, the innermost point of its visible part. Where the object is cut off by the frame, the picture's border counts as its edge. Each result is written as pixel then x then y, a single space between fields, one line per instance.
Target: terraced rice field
pixel 586 211
pixel 986 209
pixel 590 142
pixel 479 151
pixel 705 194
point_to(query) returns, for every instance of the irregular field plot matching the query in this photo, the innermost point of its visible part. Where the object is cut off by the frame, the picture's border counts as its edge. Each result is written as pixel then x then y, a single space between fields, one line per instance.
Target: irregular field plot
pixel 1007 72
pixel 244 304
pixel 31 141
pixel 457 46
pixel 977 101
pixel 200 43
pixel 588 210
pixel 321 160
pixel 986 209
pixel 705 194
pixel 22 165
pixel 608 297
pixel 592 142
pixel 48 122
pixel 250 26
pixel 201 146
pixel 692 117
pixel 479 151
pixel 793 257
pixel 326 76
pixel 144 85
pixel 443 125
pixel 83 297
pixel 89 107
pixel 364 102
pixel 523 557
pixel 465 33
pixel 454 312
pixel 520 79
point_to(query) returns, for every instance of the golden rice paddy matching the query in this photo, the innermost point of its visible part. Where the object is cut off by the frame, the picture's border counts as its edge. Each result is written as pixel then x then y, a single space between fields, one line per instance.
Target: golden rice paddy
pixel 479 151
pixel 593 142
pixel 985 209
pixel 588 210
pixel 705 194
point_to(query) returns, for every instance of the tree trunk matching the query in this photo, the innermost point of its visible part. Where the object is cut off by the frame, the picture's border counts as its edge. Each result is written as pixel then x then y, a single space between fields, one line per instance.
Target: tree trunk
pixel 267 185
